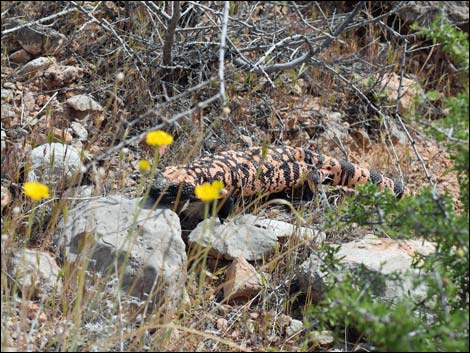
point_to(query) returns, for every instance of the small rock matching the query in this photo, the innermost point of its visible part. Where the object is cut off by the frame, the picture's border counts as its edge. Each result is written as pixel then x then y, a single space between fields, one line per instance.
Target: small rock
pixel 247 140
pixel 221 323
pixel 8 112
pixel 7 94
pixel 361 138
pixel 51 162
pixel 5 197
pixel 254 316
pixel 235 334
pixel 409 90
pixel 33 313
pixel 285 230
pixel 20 56
pixel 39 39
pixel 283 321
pixel 335 116
pixel 29 101
pixel 294 327
pixel 42 318
pixel 242 281
pixel 37 64
pixel 321 338
pixel 310 278
pixel 61 75
pixel 35 272
pixel 397 135
pixel 3 142
pixel 80 131
pixel 62 135
pixel 80 192
pixel 424 12
pixel 335 129
pixel 84 104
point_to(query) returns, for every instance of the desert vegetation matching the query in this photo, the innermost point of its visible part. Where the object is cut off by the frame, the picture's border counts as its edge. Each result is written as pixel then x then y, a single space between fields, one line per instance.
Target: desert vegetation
pixel 98 97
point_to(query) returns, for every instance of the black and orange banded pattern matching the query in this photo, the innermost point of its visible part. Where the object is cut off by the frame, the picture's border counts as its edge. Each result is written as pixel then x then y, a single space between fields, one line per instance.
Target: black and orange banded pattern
pixel 252 171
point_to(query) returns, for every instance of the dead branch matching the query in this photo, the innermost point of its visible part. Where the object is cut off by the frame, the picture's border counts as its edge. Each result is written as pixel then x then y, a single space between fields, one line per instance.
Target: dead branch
pixel 223 37
pixel 305 57
pixel 170 33
pixel 41 20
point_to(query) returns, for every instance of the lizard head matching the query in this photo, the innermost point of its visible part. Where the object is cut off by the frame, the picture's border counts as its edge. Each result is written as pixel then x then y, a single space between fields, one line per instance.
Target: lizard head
pixel 168 190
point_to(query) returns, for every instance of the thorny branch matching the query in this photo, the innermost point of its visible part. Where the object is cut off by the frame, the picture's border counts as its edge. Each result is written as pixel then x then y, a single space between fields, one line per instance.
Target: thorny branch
pixel 184 36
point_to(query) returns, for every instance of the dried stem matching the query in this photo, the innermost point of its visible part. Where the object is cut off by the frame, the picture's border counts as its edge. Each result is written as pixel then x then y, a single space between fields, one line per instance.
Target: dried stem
pixel 170 33
pixel 223 37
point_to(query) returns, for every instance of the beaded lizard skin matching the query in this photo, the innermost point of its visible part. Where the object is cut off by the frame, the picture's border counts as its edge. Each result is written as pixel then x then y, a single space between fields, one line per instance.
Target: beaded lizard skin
pixel 257 171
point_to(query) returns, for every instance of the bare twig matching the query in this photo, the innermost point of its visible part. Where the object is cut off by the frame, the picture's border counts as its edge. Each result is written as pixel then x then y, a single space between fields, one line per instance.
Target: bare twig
pixel 296 7
pixel 150 6
pixel 139 137
pixel 105 25
pixel 305 57
pixel 170 33
pixel 45 19
pixel 273 47
pixel 218 13
pixel 340 28
pixel 396 113
pixel 402 72
pixel 155 7
pixel 42 109
pixel 223 37
pixel 413 145
pixel 368 102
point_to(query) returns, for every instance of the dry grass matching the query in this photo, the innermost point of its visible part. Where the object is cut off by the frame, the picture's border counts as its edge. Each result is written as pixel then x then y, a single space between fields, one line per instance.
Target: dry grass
pixel 88 313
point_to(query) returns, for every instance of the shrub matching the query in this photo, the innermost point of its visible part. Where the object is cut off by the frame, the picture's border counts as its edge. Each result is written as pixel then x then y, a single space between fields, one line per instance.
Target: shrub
pixel 440 322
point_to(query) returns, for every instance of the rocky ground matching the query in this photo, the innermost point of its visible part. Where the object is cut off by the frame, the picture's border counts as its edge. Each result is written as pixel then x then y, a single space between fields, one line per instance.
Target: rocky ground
pixel 95 268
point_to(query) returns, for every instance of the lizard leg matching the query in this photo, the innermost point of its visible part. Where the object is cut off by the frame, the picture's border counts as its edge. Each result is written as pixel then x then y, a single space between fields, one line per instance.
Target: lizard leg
pixel 226 208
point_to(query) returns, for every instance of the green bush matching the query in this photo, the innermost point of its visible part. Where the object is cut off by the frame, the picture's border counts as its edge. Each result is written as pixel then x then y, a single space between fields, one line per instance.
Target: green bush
pixel 440 322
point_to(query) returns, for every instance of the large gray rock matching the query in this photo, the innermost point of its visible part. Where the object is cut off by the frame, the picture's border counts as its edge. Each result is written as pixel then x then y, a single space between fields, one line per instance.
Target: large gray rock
pixel 248 236
pixel 35 272
pixel 380 257
pixel 51 162
pixel 116 233
pixel 238 238
pixel 424 12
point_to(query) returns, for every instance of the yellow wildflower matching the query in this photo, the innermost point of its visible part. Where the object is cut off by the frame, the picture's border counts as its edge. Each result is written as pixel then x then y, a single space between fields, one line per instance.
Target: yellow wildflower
pixel 35 190
pixel 209 192
pixel 144 165
pixel 158 138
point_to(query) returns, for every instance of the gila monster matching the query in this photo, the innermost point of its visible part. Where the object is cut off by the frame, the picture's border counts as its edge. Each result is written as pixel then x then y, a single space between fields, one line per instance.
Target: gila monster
pixel 252 171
